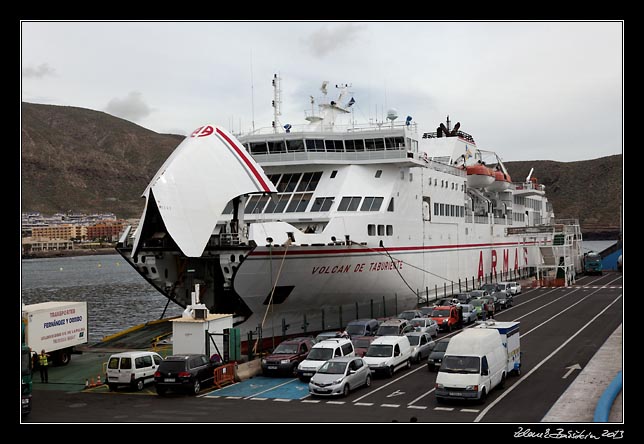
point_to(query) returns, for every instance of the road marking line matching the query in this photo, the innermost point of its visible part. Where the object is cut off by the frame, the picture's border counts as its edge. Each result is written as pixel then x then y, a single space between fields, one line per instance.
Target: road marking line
pixel 470 410
pixel 258 399
pixel 312 401
pixel 335 402
pixel 365 404
pixel 545 305
pixel 231 397
pixel 536 367
pixel 395 406
pixel 282 400
pixel 444 409
pixel 419 407
pixel 421 396
pixel 411 372
pixel 560 313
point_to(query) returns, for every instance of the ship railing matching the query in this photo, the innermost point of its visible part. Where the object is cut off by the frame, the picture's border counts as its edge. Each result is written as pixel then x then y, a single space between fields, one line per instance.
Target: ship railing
pixel 481 220
pixel 499 220
pixel 334 128
pixel 323 155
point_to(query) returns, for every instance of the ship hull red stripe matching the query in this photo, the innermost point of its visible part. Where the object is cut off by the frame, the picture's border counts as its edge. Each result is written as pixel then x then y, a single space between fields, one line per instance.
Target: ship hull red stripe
pixel 248 163
pixel 383 250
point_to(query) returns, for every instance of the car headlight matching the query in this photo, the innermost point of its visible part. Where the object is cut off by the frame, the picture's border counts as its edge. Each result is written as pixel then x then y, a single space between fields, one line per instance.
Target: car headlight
pixel 263 361
pixel 382 364
pixel 439 386
pixel 338 381
pixel 472 387
pixel 285 361
pixel 444 321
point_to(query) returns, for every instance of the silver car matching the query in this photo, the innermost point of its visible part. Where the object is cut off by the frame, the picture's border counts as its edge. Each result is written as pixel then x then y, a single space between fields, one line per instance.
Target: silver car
pixel 425 325
pixel 338 376
pixel 421 345
pixel 469 313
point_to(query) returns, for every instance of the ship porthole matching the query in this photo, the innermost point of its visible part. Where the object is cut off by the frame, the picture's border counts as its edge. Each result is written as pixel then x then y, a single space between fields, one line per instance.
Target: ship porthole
pixel 153 270
pixel 241 258
pixel 232 258
pixel 226 270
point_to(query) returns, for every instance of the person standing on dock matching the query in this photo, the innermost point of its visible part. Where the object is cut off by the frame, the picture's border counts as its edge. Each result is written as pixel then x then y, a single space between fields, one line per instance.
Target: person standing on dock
pixel 44 367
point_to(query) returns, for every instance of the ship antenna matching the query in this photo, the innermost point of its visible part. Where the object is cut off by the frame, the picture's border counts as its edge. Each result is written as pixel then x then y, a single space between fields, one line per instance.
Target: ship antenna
pixel 277 100
pixel 449 128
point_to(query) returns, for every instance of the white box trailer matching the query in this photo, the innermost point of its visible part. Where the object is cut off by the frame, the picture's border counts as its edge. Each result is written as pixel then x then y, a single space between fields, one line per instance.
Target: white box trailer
pixel 511 338
pixel 56 327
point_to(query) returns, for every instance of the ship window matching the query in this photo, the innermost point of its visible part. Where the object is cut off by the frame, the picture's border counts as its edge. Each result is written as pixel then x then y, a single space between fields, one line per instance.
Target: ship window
pixel 295 145
pixel 309 181
pixel 274 178
pixel 390 207
pixel 390 230
pixel 370 144
pixel 258 148
pixel 371 230
pixel 371 204
pixel 394 143
pixel 435 182
pixel 349 203
pixel 229 208
pixel 359 145
pixel 411 177
pixel 278 205
pixel 277 146
pixel 314 145
pixel 322 204
pixel 381 230
pixel 334 146
pixel 256 204
pixel 378 174
pixel 435 209
pixel 442 209
pixel 380 144
pixel 299 202
pixel 334 173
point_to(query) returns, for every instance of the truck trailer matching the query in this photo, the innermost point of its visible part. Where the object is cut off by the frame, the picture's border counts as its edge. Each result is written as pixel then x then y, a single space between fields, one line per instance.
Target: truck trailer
pixel 56 327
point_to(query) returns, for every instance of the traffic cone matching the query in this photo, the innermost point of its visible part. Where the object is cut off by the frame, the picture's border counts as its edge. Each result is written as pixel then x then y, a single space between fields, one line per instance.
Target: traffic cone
pixel 98 380
pixel 91 382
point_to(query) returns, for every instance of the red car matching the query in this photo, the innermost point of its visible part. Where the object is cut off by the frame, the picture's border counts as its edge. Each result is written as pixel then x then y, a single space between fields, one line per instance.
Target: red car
pixel 361 344
pixel 447 317
pixel 286 357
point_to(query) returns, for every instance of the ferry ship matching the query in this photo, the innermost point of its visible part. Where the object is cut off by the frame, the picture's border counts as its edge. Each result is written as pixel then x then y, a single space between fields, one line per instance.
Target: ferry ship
pixel 302 225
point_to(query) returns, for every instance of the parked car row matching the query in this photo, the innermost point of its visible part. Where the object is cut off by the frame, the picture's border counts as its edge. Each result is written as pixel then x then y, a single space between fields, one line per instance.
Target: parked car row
pixel 180 372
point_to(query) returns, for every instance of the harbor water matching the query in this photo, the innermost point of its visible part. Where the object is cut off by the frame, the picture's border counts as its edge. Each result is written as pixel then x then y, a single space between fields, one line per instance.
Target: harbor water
pixel 117 297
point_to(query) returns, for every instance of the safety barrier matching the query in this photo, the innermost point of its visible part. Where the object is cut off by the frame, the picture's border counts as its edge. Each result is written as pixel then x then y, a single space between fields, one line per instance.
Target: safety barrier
pixel 602 411
pixel 224 375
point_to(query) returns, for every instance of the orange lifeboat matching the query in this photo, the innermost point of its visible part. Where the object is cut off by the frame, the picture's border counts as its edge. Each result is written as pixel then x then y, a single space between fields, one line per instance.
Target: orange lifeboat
pixel 479 176
pixel 501 181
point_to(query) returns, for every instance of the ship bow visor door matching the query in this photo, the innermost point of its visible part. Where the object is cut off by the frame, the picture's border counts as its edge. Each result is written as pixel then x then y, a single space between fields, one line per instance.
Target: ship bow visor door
pixel 207 170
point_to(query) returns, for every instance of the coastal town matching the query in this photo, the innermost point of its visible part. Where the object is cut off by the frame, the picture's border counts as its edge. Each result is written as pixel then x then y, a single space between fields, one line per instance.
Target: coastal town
pixel 71 233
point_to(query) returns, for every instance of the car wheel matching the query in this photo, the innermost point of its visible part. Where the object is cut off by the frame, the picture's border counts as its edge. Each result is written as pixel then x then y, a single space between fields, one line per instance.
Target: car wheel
pixel 161 391
pixel 346 390
pixel 502 383
pixel 138 385
pixel 409 363
pixel 196 387
pixel 367 383
pixel 483 396
pixel 390 372
pixel 294 371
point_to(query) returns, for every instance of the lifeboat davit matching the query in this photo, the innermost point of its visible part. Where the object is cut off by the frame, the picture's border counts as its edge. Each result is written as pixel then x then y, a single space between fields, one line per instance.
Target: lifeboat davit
pixel 501 182
pixel 479 176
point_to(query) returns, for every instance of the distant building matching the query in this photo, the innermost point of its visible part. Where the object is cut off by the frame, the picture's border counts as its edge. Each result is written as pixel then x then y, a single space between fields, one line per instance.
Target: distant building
pixel 62 231
pixel 30 244
pixel 109 230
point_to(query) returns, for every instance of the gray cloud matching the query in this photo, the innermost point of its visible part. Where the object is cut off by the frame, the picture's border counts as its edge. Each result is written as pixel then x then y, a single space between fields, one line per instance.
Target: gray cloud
pixel 131 107
pixel 38 72
pixel 327 39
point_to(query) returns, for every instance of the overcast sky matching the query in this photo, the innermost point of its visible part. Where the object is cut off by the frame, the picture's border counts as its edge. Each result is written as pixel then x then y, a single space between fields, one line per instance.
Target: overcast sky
pixel 527 90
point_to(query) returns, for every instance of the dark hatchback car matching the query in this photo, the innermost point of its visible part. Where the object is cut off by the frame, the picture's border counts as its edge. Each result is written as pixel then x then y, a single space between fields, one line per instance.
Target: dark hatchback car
pixel 286 357
pixel 435 358
pixel 186 373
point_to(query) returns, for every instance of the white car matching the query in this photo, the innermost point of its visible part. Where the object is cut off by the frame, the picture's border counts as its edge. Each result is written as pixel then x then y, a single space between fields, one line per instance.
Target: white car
pixel 425 325
pixel 386 354
pixel 469 313
pixel 512 287
pixel 322 352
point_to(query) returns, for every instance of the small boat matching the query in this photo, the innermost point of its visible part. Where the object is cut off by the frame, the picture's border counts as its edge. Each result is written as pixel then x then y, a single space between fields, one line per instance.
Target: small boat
pixel 501 182
pixel 479 176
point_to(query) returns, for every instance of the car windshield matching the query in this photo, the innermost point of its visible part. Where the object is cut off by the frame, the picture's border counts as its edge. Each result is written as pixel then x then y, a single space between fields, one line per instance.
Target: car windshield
pixel 478 293
pixel 440 313
pixel 418 322
pixel 379 351
pixel 462 297
pixel 320 354
pixel 441 346
pixel 489 287
pixel 461 364
pixel 388 330
pixel 361 343
pixel 355 329
pixel 426 310
pixel 333 368
pixel 414 340
pixel 285 349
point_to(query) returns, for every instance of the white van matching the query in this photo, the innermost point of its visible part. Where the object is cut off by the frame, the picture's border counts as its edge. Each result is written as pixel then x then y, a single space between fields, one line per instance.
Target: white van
pixel 322 352
pixel 134 368
pixel 386 354
pixel 474 363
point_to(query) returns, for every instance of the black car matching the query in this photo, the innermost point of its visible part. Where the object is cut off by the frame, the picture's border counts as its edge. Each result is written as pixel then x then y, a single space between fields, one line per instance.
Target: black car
pixel 506 300
pixel 185 372
pixel 435 358
pixel 464 298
